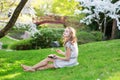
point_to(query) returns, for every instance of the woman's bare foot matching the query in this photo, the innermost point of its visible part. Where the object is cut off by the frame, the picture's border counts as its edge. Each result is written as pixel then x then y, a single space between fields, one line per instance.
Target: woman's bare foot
pixel 27 68
pixel 24 67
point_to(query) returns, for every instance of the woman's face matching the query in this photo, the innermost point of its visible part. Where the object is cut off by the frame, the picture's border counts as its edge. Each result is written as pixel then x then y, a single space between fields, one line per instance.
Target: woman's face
pixel 66 32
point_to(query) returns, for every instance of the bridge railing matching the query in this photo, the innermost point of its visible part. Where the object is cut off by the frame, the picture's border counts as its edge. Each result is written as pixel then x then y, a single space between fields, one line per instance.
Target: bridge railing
pixel 49 18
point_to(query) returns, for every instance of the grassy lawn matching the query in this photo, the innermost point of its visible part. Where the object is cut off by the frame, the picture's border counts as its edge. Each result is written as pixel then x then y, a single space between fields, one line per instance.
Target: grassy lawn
pixel 97 61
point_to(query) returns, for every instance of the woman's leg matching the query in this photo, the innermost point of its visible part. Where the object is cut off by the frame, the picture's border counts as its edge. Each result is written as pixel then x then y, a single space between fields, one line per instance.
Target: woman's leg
pixel 38 65
pixel 42 63
pixel 46 67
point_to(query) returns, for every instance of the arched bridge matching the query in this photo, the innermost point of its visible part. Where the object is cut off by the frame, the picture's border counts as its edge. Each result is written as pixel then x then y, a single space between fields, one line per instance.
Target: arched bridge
pixel 52 19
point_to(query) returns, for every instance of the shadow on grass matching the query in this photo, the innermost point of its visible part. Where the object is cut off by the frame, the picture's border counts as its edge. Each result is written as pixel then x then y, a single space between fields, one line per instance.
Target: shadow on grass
pixel 9 69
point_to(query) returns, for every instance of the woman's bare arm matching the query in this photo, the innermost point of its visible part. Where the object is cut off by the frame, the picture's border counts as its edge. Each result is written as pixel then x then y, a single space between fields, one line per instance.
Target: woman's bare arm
pixel 67 55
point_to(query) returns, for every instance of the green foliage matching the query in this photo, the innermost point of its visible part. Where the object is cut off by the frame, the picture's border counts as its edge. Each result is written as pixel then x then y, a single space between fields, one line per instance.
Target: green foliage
pixel 64 7
pixel 97 61
pixel 98 35
pixel 114 1
pixel 47 35
pixel 6 5
pixel 21 45
pixel 7 41
pixel 117 34
pixel 39 12
pixel 40 40
pixel 85 37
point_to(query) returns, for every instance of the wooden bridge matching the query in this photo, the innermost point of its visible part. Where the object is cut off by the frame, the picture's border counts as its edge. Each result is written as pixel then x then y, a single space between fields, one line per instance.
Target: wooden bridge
pixel 52 19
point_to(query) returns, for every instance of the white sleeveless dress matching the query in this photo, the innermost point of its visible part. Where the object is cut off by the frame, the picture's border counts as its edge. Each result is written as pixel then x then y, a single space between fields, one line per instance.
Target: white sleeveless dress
pixel 73 58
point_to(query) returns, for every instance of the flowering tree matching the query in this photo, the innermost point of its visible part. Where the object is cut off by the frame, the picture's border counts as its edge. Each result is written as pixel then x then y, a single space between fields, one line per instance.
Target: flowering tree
pixel 26 12
pixel 94 9
pixel 13 19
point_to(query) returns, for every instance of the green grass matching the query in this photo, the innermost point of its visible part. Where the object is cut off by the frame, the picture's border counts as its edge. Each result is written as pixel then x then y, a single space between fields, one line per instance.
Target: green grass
pixel 98 61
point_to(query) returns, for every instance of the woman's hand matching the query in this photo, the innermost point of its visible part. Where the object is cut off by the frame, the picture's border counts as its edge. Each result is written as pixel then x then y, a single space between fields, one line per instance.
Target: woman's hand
pixel 60 51
pixel 66 55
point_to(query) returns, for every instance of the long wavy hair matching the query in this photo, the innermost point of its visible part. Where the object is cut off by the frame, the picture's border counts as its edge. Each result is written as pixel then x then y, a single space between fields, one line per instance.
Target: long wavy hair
pixel 72 36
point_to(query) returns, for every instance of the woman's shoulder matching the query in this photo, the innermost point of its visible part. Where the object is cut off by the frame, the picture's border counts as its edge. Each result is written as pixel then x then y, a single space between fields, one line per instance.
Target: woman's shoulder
pixel 69 43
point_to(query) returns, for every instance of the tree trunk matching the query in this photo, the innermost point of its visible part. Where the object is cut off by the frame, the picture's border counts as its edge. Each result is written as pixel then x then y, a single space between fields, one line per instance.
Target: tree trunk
pixel 13 19
pixel 114 29
pixel 104 31
pixel 100 27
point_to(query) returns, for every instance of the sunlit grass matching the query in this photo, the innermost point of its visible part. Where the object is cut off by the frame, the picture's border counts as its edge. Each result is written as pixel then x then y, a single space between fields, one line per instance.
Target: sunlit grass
pixel 9 76
pixel 115 76
pixel 97 61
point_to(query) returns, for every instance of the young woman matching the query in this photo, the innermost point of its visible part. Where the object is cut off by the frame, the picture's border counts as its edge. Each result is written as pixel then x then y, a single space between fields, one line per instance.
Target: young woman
pixel 70 54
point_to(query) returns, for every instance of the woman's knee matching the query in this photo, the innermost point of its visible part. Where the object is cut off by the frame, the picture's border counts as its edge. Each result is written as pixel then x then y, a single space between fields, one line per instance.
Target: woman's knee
pixel 50 66
pixel 49 59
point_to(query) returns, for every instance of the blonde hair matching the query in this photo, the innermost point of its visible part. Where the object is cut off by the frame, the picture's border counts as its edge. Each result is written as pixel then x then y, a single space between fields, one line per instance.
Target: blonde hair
pixel 72 36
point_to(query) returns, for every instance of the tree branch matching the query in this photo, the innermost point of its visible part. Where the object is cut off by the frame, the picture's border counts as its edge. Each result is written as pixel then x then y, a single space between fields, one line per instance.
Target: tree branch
pixel 13 19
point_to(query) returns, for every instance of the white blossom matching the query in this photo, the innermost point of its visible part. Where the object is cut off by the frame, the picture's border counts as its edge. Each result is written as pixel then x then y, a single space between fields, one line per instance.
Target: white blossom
pixel 93 8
